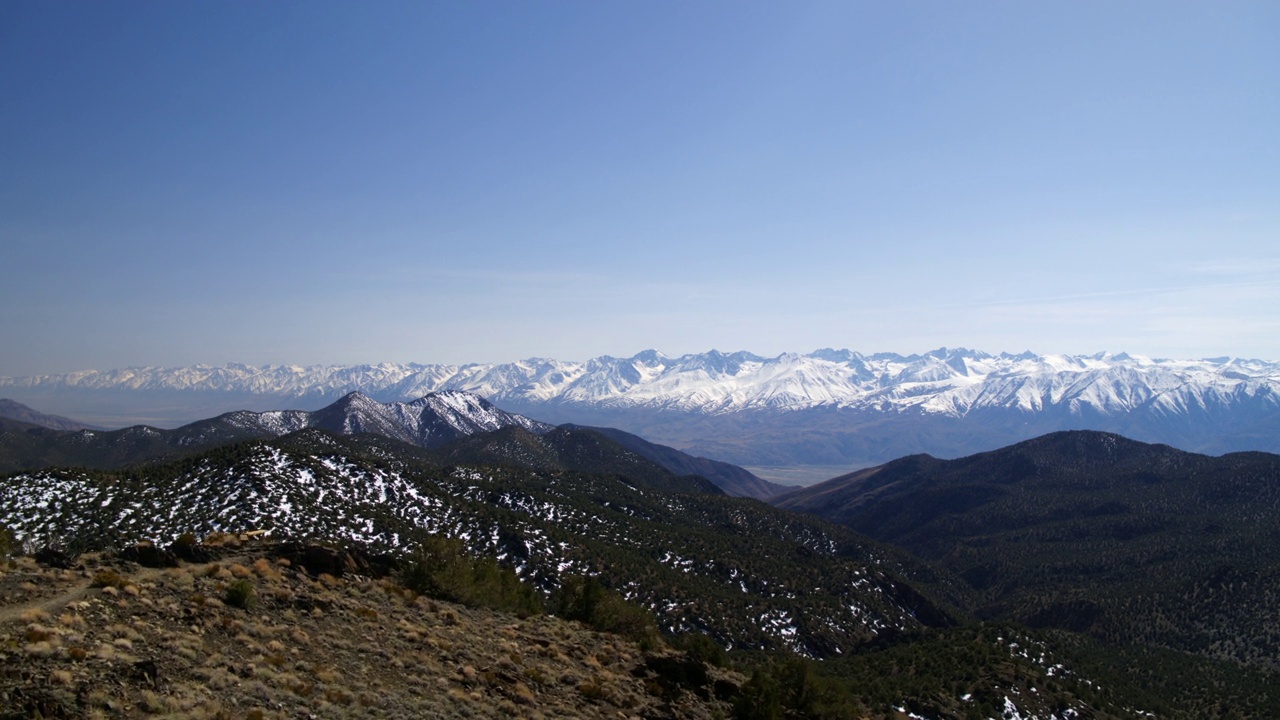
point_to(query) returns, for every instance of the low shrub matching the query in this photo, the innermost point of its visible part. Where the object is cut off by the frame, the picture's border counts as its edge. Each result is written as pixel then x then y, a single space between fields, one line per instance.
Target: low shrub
pixel 240 593
pixel 108 578
pixel 761 698
pixel 441 568
pixel 8 543
pixel 700 647
pixel 586 600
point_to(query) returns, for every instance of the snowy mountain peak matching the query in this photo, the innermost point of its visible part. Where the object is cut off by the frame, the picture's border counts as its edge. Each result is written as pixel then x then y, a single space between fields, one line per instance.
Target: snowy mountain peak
pixel 355 398
pixel 946 381
pixel 835 356
pixel 649 357
pixel 427 421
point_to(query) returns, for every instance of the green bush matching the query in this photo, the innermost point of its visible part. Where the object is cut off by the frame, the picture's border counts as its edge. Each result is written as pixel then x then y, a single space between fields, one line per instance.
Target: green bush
pixel 8 542
pixel 761 698
pixel 584 599
pixel 700 647
pixel 240 594
pixel 440 568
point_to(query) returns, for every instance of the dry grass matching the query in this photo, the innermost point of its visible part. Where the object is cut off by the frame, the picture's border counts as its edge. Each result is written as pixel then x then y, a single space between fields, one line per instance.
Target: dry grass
pixel 108 579
pixel 329 647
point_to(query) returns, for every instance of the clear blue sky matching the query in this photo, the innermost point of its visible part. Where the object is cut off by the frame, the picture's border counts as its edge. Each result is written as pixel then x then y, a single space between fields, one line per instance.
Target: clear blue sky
pixel 315 182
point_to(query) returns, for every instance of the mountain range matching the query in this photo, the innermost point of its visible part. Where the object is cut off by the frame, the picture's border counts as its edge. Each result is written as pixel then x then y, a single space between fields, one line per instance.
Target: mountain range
pixel 768 578
pixel 829 407
pixel 429 422
pixel 1078 574
pixel 1075 575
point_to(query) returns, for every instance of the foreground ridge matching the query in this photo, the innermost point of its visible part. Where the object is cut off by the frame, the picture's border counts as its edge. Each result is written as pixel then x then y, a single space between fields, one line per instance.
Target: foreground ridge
pixel 105 636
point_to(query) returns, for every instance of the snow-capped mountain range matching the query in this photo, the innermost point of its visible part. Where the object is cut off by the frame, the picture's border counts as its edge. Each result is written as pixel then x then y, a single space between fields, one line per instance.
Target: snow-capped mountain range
pixel 1209 404
pixel 949 382
pixel 427 421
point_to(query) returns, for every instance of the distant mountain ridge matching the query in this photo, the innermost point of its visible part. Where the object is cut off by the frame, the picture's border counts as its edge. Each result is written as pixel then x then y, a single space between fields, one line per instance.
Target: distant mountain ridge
pixel 826 407
pixel 429 421
pixel 944 381
pixel 432 421
pixel 11 410
pixel 731 478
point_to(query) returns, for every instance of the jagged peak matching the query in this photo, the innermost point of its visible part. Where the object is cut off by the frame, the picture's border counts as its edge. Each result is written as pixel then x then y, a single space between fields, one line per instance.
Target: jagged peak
pixel 949 380
pixel 453 392
pixel 832 355
pixel 455 397
pixel 355 398
pixel 649 356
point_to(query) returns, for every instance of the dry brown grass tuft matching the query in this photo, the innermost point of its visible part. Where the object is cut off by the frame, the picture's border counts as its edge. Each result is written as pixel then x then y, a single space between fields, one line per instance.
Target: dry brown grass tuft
pixel 339 696
pixel 108 579
pixel 39 633
pixel 593 689
pixel 43 648
pixel 221 539
pixel 266 569
pixel 71 620
pixel 34 615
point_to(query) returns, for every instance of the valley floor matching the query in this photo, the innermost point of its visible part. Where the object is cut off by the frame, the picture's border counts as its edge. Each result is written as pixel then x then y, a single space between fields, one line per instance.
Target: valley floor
pixel 803 475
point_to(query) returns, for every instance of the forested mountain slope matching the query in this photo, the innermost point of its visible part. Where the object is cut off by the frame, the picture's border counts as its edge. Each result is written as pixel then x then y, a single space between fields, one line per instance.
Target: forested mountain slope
pixel 748 574
pixel 1091 532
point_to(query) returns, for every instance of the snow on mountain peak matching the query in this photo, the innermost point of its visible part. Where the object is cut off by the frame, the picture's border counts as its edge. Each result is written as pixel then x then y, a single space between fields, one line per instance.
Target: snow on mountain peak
pixel 949 381
pixel 650 357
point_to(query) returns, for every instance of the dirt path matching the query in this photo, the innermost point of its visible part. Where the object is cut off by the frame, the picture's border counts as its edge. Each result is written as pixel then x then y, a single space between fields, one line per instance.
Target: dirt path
pixel 52 605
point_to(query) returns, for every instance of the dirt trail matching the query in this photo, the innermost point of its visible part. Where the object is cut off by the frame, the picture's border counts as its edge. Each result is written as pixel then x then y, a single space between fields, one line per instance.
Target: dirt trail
pixel 12 612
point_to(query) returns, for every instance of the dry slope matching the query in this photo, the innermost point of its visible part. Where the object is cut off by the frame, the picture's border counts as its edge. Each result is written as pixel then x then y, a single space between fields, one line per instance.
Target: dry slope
pixel 107 638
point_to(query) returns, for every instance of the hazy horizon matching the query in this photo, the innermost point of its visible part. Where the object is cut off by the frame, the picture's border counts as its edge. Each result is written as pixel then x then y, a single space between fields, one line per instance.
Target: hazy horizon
pixel 425 363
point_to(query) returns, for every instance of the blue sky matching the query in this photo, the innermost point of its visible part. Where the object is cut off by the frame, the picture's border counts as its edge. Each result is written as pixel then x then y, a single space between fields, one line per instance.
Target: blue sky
pixel 292 182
